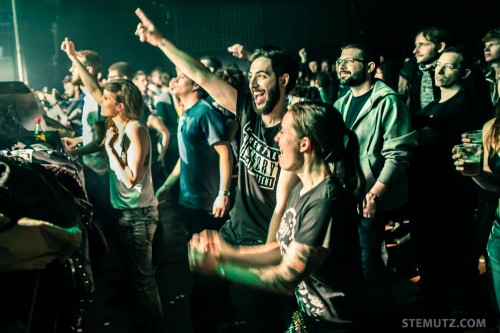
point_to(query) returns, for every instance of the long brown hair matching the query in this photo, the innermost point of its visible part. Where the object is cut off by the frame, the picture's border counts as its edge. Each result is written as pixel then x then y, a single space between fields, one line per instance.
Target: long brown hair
pixel 332 142
pixel 126 92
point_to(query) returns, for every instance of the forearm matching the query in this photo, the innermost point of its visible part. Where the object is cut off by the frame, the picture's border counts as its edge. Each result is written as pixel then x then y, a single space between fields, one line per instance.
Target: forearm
pixel 286 182
pixel 88 81
pixel 225 162
pixel 173 177
pixel 488 181
pixel 266 278
pixel 90 148
pixel 123 173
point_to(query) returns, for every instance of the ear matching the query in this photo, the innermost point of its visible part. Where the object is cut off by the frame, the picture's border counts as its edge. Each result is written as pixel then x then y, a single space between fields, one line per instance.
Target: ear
pixel 90 69
pixel 305 144
pixel 284 80
pixel 371 67
pixel 441 47
pixel 466 74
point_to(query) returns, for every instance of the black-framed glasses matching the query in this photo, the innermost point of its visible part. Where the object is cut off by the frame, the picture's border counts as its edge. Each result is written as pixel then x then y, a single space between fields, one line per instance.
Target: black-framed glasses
pixel 349 61
pixel 446 66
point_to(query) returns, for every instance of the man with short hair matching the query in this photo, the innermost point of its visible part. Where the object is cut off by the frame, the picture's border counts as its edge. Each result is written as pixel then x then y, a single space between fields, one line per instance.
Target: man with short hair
pixel 492 57
pixel 381 120
pixel 417 77
pixel 443 234
pixel 262 187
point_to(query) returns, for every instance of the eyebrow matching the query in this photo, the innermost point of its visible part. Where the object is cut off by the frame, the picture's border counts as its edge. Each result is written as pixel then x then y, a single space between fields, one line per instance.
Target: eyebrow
pixel 260 71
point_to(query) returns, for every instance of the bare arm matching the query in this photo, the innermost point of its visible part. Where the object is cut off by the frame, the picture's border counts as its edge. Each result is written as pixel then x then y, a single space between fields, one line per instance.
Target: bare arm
pixel 159 126
pixel 220 90
pixel 88 80
pixel 286 183
pixel 225 162
pixel 163 191
pixel 131 172
pixel 255 268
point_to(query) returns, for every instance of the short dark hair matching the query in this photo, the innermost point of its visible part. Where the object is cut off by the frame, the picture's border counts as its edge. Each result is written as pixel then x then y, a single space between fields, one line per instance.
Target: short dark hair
pixel 282 62
pixel 492 34
pixel 368 53
pixel 92 58
pixel 123 69
pixel 465 59
pixel 435 34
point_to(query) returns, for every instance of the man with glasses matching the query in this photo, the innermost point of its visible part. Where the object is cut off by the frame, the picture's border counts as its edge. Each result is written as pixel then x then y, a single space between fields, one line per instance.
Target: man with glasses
pixel 381 120
pixel 443 234
pixel 417 76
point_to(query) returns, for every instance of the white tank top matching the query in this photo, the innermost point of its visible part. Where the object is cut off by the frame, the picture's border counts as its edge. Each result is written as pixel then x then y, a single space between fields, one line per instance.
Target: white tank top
pixel 141 195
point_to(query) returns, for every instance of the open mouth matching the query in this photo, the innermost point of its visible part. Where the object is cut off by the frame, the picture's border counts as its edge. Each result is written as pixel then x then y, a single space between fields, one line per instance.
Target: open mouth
pixel 258 96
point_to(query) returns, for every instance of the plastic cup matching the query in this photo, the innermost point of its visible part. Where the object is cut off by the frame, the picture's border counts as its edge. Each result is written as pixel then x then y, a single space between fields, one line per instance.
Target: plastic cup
pixel 471 156
pixel 475 136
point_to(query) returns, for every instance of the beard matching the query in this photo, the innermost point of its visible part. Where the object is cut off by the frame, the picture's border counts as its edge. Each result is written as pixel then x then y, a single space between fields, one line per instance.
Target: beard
pixel 353 80
pixel 273 98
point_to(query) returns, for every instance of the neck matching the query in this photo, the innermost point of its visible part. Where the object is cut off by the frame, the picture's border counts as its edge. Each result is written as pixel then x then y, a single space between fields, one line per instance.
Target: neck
pixel 313 173
pixel 362 88
pixel 447 93
pixel 496 67
pixel 189 100
pixel 275 117
pixel 120 122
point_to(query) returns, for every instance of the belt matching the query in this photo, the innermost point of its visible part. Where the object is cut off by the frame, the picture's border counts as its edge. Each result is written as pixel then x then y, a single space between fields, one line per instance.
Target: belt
pixel 143 210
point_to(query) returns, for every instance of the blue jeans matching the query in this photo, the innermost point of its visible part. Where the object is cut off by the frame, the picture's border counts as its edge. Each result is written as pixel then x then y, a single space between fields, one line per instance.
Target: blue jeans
pixel 494 256
pixel 137 227
pixel 374 259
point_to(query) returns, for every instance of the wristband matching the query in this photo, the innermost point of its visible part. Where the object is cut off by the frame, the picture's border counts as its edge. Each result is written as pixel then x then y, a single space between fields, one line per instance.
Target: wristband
pixel 224 193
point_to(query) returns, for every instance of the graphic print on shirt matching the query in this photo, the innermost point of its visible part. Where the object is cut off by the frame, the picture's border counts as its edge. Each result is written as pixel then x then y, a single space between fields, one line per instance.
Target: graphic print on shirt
pixel 286 230
pixel 309 302
pixel 260 160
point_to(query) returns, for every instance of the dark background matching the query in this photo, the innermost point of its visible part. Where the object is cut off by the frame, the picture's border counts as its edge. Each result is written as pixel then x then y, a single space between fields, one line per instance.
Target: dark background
pixel 209 27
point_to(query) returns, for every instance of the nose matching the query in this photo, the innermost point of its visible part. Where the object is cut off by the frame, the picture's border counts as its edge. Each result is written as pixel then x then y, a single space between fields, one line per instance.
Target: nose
pixel 277 137
pixel 439 69
pixel 253 82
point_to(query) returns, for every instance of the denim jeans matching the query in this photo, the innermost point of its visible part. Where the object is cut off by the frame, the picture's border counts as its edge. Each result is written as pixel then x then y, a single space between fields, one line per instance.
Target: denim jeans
pixel 494 255
pixel 137 227
pixel 374 259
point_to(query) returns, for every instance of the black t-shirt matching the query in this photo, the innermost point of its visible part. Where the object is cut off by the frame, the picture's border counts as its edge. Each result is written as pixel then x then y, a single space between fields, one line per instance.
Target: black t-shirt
pixel 326 217
pixel 258 173
pixel 355 107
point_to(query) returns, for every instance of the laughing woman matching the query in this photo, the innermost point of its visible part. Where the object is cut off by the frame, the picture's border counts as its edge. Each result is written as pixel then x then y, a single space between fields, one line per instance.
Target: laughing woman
pixel 129 149
pixel 316 255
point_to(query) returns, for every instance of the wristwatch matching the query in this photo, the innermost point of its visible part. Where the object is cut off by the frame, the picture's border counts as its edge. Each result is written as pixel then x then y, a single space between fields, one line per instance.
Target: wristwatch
pixel 224 193
pixel 375 197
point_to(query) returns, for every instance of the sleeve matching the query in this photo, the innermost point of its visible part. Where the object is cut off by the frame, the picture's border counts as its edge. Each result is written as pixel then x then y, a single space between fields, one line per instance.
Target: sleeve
pixel 213 125
pixel 313 222
pixel 96 117
pixel 243 106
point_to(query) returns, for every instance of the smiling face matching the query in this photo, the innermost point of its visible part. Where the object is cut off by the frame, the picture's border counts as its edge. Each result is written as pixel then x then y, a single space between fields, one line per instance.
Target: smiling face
pixel 290 159
pixel 352 73
pixel 264 86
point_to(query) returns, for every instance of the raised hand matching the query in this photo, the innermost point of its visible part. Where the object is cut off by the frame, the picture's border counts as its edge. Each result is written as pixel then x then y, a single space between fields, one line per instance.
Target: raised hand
pixel 238 51
pixel 146 30
pixel 68 47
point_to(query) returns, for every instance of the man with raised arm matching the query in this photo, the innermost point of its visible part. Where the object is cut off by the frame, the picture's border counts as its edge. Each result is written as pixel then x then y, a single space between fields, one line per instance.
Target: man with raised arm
pixel 263 187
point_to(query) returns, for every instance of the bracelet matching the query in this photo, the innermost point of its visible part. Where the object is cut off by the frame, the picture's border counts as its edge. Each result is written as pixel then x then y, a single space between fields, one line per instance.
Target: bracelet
pixel 224 193
pixel 375 197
